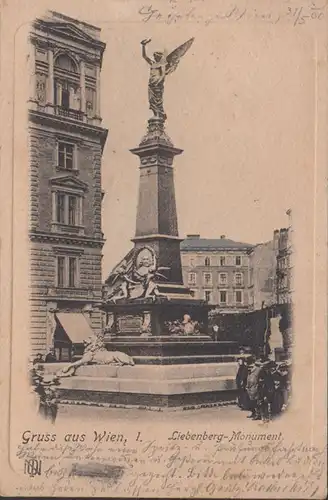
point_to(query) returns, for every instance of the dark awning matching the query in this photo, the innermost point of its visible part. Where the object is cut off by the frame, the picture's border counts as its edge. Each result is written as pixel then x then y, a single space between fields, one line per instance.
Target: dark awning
pixel 75 325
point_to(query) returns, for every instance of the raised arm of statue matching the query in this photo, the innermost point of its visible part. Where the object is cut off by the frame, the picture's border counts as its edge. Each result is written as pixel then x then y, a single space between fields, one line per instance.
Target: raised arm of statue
pixel 144 53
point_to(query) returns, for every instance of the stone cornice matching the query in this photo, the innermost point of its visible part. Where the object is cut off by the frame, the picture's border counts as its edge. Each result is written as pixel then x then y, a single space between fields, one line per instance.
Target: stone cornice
pixel 69 124
pixel 80 54
pixel 151 237
pixel 156 147
pixel 69 31
pixel 84 241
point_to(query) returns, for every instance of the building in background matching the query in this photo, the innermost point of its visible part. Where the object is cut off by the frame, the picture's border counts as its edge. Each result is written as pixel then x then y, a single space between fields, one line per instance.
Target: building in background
pixel 66 145
pixel 218 270
pixel 263 275
pixel 284 263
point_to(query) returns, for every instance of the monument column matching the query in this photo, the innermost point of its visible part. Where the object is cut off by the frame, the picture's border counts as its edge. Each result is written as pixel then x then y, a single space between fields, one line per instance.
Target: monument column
pixel 157 225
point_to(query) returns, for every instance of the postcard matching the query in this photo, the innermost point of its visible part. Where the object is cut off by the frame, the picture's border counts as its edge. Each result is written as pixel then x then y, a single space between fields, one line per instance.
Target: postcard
pixel 164 249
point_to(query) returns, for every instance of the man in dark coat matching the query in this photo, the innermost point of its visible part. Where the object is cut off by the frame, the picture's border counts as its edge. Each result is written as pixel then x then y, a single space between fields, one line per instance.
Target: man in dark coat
pixel 266 390
pixel 241 382
pixel 252 388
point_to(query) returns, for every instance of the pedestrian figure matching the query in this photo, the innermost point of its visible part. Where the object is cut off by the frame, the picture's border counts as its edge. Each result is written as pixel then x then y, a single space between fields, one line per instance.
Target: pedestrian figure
pixel 215 332
pixel 45 388
pixel 50 356
pixel 252 388
pixel 241 382
pixel 266 390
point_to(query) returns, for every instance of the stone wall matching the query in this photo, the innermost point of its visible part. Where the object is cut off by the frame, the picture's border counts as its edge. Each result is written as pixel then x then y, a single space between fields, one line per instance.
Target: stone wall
pixel 43 167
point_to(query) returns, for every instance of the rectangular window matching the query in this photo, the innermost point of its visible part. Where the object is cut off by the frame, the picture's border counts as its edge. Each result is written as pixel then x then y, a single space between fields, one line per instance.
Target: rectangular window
pixel 67 271
pixel 239 278
pixel 60 271
pixel 192 278
pixel 238 260
pixel 68 209
pixel 72 211
pixel 72 272
pixel 223 278
pixel 60 199
pixel 239 297
pixel 65 98
pixel 223 297
pixel 208 278
pixel 222 261
pixel 208 295
pixel 66 155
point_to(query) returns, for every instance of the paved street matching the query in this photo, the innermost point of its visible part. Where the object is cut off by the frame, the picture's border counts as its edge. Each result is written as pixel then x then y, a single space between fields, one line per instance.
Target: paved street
pixel 230 412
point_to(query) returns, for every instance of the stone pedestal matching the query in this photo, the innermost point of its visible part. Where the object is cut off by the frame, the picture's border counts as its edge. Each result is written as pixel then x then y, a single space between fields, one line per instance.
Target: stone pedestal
pixel 157 224
pixel 151 315
pixel 167 387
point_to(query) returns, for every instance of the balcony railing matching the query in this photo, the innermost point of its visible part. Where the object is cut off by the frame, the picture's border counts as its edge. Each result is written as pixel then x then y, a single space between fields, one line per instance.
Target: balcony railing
pixel 70 113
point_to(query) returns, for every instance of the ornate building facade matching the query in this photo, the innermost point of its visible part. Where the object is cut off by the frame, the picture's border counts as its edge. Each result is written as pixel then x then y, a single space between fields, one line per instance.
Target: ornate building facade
pixel 284 268
pixel 66 145
pixel 218 270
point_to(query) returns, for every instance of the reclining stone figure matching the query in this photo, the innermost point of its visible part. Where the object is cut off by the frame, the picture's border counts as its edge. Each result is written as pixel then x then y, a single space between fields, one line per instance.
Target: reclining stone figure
pixel 95 352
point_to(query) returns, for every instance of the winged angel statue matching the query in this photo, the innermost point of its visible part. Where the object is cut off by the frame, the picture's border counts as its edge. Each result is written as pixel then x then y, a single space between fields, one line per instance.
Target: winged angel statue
pixel 162 65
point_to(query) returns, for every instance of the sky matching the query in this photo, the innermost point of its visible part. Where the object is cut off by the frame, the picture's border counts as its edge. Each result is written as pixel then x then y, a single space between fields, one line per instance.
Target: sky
pixel 240 105
pixel 235 107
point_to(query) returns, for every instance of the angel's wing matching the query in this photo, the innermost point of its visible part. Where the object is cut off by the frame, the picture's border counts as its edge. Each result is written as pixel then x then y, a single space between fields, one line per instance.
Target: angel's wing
pixel 174 57
pixel 115 278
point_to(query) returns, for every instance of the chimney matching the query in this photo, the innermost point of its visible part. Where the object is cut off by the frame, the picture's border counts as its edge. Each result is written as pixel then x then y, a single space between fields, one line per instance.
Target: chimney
pixel 193 236
pixel 222 237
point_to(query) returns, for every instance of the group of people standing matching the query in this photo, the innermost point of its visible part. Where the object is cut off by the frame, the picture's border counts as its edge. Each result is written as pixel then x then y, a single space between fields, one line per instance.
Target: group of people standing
pixel 263 386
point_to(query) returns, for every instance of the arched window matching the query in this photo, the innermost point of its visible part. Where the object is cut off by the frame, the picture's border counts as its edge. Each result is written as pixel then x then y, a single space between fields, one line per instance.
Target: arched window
pixel 207 261
pixel 67 86
pixel 66 63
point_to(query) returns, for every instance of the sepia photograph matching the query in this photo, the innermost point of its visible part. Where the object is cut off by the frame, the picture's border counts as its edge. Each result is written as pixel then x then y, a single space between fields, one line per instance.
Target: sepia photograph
pixel 166 247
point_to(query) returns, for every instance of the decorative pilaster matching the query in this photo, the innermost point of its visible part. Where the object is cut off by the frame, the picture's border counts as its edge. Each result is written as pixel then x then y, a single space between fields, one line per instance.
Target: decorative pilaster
pixel 109 329
pixel 51 83
pixel 82 86
pixel 97 117
pixel 32 80
pixel 51 324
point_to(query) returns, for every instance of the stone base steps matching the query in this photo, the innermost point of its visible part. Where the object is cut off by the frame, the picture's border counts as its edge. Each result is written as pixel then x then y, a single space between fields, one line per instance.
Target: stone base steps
pixel 185 406
pixel 150 372
pixel 180 386
pixel 171 348
pixel 186 360
pixel 155 402
pixel 154 387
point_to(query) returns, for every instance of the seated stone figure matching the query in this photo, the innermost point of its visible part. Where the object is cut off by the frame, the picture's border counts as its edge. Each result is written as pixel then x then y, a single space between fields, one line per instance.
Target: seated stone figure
pixel 185 327
pixel 95 352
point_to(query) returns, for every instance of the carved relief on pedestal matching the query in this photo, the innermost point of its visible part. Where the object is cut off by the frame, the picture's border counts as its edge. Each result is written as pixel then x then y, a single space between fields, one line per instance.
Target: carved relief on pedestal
pixel 148 160
pixel 165 161
pixel 185 327
pixel 137 278
pixel 110 324
pixel 146 325
pixel 130 323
